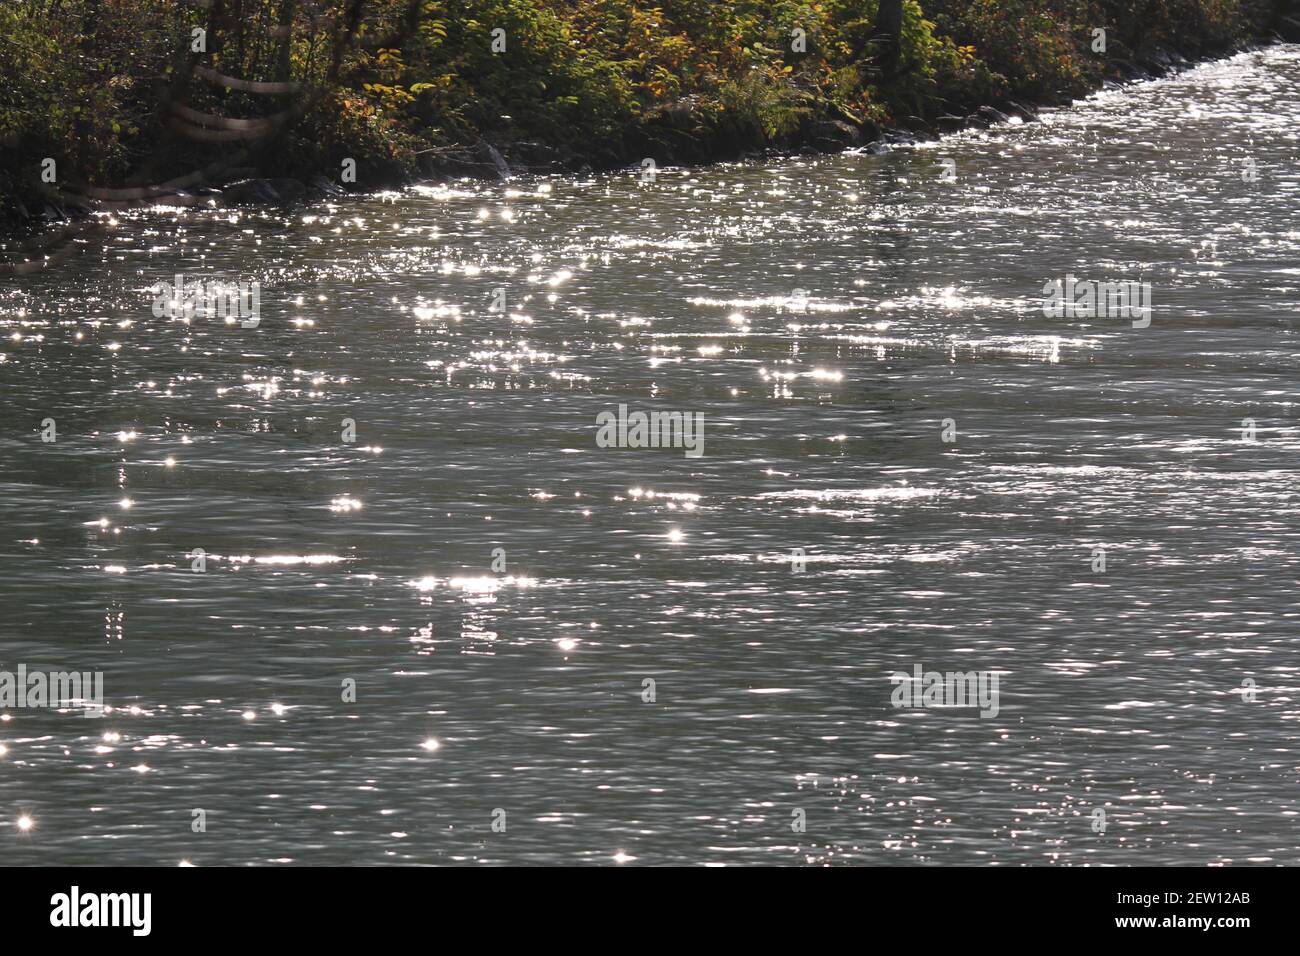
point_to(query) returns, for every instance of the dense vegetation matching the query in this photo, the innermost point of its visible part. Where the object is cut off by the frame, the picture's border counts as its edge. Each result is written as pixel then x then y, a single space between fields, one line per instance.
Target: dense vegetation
pixel 95 84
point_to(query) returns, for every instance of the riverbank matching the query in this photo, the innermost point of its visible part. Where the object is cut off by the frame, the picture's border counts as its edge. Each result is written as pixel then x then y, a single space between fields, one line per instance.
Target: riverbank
pixel 364 96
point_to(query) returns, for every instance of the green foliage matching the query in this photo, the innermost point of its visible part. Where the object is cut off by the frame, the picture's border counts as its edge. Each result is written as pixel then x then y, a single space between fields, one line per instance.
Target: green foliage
pixel 84 79
pixel 1031 48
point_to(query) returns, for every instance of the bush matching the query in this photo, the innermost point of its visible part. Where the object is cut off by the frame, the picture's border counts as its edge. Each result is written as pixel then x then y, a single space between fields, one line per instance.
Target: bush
pixel 86 80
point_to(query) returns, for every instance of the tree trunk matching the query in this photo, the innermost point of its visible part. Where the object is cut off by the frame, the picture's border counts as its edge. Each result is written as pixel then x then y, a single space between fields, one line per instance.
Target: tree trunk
pixel 885 35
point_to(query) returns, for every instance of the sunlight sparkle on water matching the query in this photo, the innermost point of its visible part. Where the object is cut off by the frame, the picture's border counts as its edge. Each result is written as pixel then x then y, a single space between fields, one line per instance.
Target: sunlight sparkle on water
pixel 479 585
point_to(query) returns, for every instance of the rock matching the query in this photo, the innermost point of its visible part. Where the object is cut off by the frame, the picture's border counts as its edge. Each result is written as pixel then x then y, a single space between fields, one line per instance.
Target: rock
pixel 1026 113
pixel 993 115
pixel 254 192
pixel 327 187
pixel 950 124
pixel 289 190
pixel 833 136
pixel 234 173
pixel 246 192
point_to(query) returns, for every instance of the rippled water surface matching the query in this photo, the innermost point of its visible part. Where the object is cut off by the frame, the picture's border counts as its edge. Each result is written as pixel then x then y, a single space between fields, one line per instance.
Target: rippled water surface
pixel 481 687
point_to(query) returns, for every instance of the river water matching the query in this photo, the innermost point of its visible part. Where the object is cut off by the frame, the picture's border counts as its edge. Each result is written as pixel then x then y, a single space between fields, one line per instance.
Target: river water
pixel 358 676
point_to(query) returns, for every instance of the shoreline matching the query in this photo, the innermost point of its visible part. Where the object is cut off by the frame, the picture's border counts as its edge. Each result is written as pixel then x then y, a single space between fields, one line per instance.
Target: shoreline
pixel 667 137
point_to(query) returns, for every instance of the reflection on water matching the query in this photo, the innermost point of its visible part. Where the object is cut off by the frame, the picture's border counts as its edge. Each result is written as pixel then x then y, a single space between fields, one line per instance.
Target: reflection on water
pixel 361 651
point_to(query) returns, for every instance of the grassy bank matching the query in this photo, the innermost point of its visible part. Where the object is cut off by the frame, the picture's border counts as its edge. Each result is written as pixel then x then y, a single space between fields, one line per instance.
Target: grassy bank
pixel 125 93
